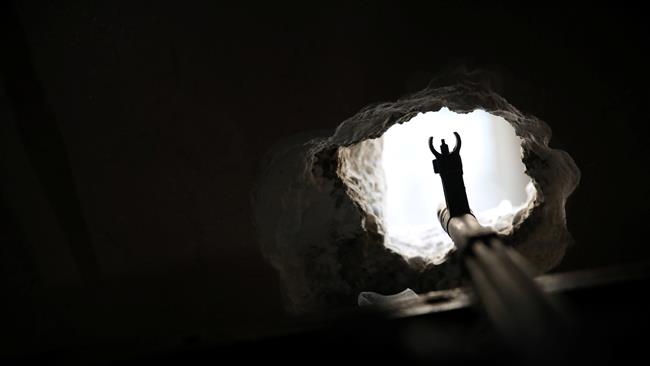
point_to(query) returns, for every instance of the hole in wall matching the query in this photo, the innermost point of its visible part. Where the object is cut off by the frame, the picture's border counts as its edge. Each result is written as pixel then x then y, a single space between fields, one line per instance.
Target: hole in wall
pixel 404 193
pixel 320 200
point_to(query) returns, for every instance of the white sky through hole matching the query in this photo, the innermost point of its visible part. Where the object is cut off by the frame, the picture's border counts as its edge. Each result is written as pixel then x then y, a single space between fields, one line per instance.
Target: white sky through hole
pixel 492 168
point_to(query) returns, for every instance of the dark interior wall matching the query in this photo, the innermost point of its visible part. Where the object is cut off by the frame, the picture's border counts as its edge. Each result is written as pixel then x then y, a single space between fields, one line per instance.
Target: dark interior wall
pixel 164 111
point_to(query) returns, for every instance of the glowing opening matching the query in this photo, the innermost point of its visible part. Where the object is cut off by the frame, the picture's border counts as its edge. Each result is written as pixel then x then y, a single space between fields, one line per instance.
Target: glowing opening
pixel 495 180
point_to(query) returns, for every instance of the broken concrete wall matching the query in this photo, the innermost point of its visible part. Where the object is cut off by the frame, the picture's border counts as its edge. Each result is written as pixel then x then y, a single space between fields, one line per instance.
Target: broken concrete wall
pixel 323 234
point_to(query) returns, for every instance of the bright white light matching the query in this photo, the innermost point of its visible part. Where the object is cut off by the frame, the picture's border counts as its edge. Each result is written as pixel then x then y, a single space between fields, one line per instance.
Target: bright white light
pixel 493 172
